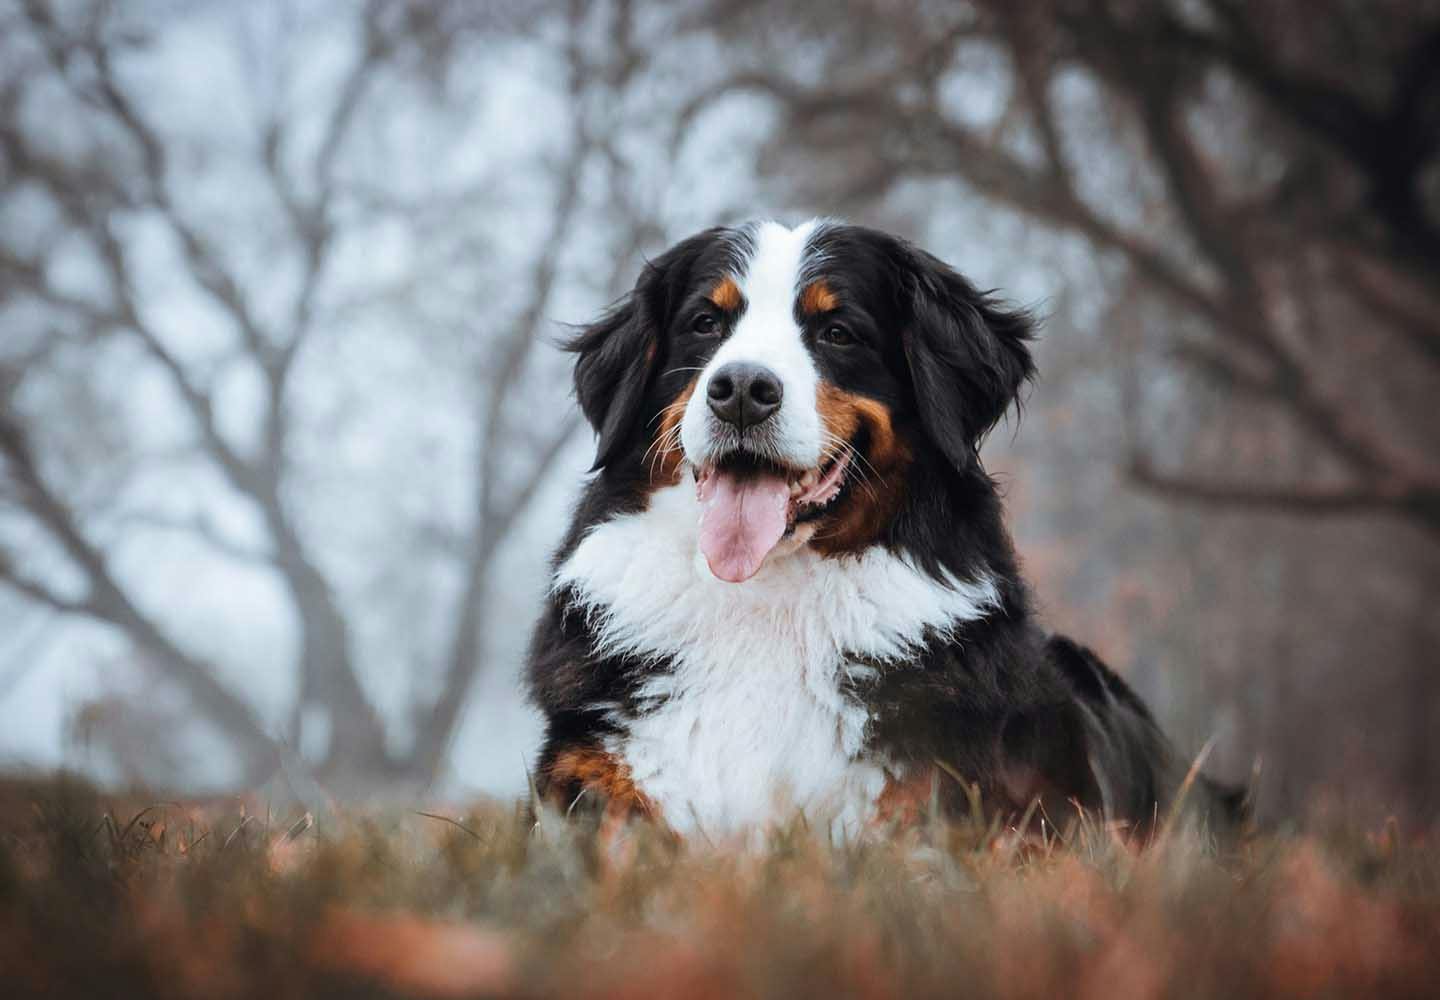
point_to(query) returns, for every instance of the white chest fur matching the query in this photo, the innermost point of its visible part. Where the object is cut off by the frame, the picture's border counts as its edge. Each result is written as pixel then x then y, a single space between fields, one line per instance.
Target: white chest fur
pixel 751 723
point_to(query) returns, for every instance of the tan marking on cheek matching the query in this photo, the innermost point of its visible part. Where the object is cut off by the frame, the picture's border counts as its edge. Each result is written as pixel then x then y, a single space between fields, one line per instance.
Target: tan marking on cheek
pixel 844 413
pixel 726 294
pixel 838 412
pixel 665 454
pixel 877 482
pixel 817 298
pixel 602 774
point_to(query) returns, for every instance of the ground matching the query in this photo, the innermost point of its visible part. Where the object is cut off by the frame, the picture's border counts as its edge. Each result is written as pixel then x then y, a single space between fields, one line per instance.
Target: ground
pixel 109 895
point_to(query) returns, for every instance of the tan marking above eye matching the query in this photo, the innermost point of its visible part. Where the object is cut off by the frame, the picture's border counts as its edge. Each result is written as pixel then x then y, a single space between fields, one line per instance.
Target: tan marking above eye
pixel 726 294
pixel 818 298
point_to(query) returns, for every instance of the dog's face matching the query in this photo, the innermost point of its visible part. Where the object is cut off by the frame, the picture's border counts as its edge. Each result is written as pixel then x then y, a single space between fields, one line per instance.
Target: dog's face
pixel 799 375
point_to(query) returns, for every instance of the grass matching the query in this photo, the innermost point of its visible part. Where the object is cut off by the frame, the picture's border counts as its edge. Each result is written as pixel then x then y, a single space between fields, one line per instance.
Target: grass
pixel 119 896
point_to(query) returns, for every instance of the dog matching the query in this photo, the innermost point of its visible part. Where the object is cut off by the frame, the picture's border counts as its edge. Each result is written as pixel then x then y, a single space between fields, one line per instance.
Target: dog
pixel 788 584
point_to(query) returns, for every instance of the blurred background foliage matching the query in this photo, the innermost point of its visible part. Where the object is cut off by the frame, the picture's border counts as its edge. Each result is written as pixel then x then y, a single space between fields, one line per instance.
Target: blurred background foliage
pixel 285 438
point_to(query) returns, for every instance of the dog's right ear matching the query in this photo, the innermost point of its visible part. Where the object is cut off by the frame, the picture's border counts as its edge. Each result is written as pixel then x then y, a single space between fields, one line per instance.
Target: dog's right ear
pixel 616 356
pixel 619 353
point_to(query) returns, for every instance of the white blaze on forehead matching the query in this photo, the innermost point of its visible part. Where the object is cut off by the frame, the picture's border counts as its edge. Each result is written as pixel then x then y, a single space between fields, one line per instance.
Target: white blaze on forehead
pixel 767 334
pixel 772 277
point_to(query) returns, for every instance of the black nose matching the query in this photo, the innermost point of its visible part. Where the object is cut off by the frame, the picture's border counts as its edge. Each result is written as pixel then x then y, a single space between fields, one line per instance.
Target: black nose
pixel 744 394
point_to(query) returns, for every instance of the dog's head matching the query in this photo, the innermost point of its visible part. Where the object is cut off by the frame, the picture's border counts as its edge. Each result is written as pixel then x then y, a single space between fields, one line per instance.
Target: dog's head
pixel 799 374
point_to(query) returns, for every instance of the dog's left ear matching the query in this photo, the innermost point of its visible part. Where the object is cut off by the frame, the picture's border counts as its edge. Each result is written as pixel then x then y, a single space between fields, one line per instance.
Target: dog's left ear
pixel 618 353
pixel 968 357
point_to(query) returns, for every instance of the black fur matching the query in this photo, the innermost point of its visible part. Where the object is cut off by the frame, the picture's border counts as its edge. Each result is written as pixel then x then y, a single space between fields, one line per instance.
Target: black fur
pixel 968 357
pixel 1020 713
pixel 617 355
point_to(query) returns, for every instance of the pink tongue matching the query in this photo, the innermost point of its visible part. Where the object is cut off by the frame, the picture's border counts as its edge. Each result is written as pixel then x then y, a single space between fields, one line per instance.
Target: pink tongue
pixel 741 519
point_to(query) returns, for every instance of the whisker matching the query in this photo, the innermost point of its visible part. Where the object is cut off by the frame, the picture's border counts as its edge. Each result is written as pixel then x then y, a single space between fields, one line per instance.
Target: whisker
pixel 668 440
pixel 865 479
pixel 678 407
pixel 653 445
pixel 662 446
pixel 855 453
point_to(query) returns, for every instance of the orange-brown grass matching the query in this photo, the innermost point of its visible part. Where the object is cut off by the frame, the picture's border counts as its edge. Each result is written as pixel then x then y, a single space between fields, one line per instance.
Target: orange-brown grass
pixel 118 896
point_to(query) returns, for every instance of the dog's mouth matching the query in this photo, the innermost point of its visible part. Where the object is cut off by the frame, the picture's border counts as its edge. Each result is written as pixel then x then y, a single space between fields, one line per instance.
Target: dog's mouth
pixel 748 504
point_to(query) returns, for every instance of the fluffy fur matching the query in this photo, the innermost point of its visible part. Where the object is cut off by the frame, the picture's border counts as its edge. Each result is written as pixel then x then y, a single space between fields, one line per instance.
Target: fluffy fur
pixel 884 643
pixel 749 699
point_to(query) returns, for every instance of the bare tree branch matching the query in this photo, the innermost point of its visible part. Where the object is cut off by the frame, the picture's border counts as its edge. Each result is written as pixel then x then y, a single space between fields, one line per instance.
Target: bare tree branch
pixel 310 220
pixel 1419 505
pixel 12 577
pixel 462 661
pixel 107 601
pixel 1406 306
pixel 496 516
pixel 325 645
pixel 202 529
pixel 1391 145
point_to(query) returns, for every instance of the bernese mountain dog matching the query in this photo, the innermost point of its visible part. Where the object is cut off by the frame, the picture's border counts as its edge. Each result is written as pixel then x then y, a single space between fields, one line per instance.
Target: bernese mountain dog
pixel 789 586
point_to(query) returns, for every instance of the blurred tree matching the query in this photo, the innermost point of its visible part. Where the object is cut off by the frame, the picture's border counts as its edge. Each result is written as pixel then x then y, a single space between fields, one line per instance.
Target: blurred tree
pixel 121 189
pixel 1258 186
pixel 1274 177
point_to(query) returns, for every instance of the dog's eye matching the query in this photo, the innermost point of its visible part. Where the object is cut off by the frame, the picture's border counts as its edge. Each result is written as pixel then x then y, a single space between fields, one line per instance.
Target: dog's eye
pixel 705 325
pixel 837 335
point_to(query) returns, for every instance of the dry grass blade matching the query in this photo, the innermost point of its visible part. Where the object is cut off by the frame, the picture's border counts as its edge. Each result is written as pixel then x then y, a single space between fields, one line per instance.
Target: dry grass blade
pixel 1175 813
pixel 446 819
